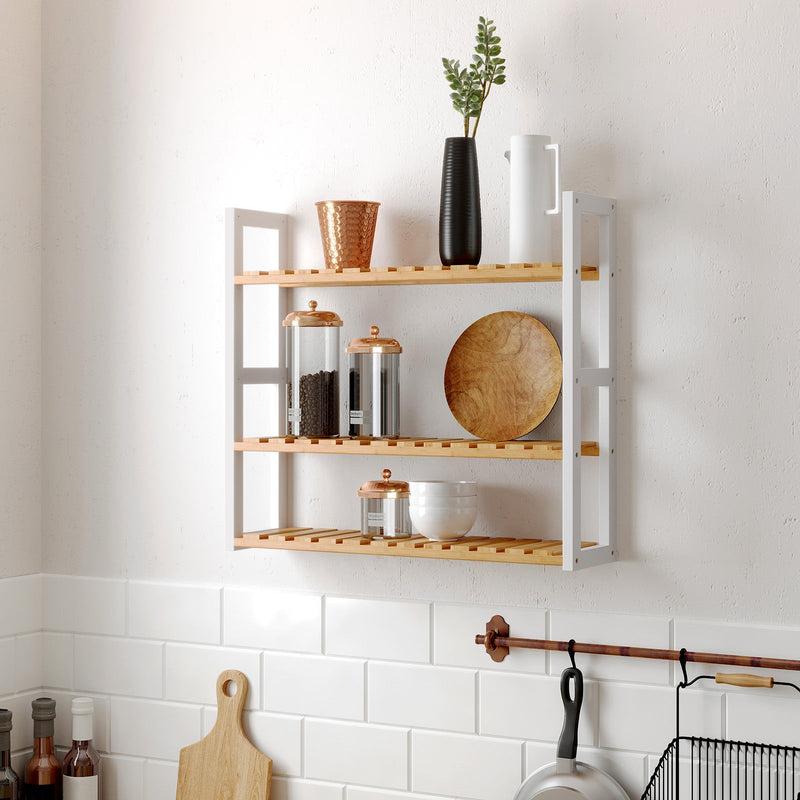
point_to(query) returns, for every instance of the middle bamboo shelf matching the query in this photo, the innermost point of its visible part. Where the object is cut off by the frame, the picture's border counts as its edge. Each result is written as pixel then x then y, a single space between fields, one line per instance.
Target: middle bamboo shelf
pixel 452 448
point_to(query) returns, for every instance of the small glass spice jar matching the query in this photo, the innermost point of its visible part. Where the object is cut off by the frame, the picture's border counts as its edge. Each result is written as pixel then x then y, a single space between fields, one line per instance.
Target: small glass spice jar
pixel 384 509
pixel 312 361
pixel 374 387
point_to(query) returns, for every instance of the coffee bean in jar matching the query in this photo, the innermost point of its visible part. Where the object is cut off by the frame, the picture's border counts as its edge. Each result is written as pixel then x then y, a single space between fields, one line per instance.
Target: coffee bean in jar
pixel 312 359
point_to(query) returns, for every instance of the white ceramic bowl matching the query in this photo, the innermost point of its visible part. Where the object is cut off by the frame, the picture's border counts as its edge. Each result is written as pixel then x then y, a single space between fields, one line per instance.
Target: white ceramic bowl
pixel 441 522
pixel 454 503
pixel 443 488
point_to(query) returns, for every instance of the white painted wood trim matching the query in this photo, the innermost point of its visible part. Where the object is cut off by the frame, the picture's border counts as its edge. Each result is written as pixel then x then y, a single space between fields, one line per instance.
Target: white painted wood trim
pixel 576 377
pixel 236 219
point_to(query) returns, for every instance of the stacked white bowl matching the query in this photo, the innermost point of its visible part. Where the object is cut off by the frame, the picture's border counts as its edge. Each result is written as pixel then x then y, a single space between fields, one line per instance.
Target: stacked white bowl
pixel 443 510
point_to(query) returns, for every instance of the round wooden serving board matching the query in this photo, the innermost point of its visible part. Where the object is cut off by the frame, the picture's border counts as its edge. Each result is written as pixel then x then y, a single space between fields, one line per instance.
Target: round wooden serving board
pixel 503 376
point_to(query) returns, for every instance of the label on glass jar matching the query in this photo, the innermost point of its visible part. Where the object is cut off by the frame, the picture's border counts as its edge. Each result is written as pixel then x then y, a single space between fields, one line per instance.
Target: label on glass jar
pixel 375 518
pixel 356 417
pixel 294 414
pixel 81 788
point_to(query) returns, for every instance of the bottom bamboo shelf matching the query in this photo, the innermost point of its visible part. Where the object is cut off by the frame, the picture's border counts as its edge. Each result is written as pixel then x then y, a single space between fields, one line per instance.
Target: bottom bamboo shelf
pixel 470 548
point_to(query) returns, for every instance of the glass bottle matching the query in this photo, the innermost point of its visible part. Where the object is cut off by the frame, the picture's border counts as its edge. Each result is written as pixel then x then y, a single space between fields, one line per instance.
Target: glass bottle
pixel 312 361
pixel 81 767
pixel 43 771
pixel 384 509
pixel 374 396
pixel 9 781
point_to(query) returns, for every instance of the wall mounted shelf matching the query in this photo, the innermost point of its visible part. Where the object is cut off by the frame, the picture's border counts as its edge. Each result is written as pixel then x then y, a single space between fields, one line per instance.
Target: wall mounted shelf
pixel 414 276
pixel 452 448
pixel 571 552
pixel 470 548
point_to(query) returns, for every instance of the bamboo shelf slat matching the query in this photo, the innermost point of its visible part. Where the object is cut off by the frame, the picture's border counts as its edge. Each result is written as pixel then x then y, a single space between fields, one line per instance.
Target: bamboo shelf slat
pixel 447 448
pixel 413 275
pixel 546 552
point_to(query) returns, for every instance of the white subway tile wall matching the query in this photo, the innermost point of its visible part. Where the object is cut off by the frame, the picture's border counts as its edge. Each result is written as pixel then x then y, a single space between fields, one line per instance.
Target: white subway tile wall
pixel 152 730
pixel 273 620
pixel 174 613
pixel 28 662
pixel 160 779
pixel 359 699
pixel 315 686
pixel 123 778
pixel 283 789
pixel 83 605
pixel 422 697
pixel 119 666
pixel 373 755
pixel 380 629
pixel 58 667
pixel 466 766
pixel 191 672
pixel 24 595
pixel 8 657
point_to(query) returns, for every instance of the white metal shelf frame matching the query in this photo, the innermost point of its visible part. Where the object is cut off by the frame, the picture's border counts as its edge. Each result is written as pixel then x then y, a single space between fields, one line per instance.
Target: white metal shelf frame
pixel 239 376
pixel 576 377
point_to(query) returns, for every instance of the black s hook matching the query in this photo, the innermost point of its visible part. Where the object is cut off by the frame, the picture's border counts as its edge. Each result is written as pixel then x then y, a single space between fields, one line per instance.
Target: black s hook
pixel 571 651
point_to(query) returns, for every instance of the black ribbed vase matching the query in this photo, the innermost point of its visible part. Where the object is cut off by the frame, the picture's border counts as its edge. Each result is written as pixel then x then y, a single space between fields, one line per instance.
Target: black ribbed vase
pixel 460 204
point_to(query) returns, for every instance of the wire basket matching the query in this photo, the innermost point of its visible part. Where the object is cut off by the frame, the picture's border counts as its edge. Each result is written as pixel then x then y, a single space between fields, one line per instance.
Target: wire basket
pixel 348 230
pixel 698 768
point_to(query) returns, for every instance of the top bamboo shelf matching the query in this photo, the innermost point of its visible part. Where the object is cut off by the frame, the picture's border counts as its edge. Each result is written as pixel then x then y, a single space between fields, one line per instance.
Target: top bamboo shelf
pixel 412 275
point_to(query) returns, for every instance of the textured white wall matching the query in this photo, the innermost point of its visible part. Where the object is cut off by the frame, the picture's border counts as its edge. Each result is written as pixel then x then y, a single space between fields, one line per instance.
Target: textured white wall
pixel 159 115
pixel 20 287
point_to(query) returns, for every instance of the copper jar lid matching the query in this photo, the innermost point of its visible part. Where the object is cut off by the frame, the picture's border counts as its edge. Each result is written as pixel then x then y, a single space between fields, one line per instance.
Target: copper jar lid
pixel 374 344
pixel 385 488
pixel 312 318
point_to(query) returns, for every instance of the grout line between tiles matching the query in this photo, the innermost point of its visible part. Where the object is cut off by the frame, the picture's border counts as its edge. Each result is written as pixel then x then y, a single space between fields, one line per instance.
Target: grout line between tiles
pixel 365 715
pixel 302 747
pixel 547 663
pixel 221 620
pixel 409 765
pixel 323 626
pixel 128 609
pixel 431 634
pixel 477 726
pixel 163 670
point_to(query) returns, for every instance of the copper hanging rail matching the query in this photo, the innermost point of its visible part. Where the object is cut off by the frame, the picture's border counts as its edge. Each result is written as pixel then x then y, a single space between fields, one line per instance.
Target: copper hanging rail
pixel 497 643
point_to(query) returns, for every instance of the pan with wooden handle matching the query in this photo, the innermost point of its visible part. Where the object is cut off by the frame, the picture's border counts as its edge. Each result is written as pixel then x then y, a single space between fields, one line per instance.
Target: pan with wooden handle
pixel 225 763
pixel 566 778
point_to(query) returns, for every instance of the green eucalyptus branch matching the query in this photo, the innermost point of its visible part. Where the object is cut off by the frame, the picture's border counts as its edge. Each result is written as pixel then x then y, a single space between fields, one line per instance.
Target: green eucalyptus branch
pixel 470 86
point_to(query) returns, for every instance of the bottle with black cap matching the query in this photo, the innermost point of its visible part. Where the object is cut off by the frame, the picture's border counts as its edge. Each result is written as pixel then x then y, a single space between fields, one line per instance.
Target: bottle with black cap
pixel 43 771
pixel 9 781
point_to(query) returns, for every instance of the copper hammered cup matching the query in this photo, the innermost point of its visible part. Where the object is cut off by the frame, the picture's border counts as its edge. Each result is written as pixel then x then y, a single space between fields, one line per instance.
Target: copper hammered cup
pixel 348 229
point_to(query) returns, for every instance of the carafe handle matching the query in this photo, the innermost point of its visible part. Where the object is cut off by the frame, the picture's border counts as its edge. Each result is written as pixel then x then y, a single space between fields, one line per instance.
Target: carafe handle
pixel 557 207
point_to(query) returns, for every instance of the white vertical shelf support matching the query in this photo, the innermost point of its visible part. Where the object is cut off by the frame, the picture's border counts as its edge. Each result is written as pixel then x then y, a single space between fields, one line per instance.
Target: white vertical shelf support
pixel 576 377
pixel 239 376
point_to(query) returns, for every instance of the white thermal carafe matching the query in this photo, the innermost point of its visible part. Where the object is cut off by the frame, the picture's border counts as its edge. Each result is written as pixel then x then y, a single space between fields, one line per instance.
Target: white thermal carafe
pixel 535 195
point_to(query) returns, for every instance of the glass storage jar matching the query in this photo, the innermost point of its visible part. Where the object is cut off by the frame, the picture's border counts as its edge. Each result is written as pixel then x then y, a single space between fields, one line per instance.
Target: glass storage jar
pixel 312 361
pixel 374 387
pixel 384 509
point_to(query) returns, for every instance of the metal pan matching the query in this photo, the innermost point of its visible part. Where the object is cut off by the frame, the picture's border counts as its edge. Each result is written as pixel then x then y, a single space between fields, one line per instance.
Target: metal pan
pixel 567 778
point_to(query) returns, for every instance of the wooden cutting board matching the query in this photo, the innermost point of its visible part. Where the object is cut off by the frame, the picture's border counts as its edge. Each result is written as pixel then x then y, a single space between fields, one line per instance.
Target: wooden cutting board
pixel 503 376
pixel 225 763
